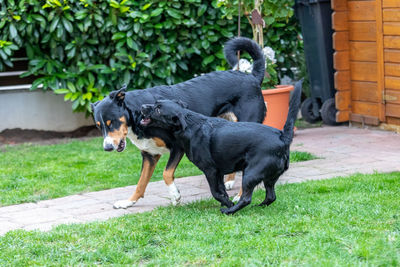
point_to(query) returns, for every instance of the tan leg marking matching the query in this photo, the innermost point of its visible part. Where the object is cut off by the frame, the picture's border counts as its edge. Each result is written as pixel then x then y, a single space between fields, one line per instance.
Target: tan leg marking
pixel 147 172
pixel 230 177
pixel 168 175
pixel 229 116
pixel 169 172
pixel 240 192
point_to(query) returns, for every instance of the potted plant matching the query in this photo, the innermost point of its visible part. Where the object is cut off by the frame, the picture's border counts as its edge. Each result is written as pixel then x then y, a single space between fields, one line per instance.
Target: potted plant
pixel 275 96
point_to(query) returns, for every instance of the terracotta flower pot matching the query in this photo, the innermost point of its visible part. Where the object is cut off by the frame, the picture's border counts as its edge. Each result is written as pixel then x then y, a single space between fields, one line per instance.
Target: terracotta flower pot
pixel 277 102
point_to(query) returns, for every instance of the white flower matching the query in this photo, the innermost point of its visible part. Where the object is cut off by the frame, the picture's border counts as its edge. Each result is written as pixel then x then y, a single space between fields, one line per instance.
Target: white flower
pixel 244 66
pixel 269 53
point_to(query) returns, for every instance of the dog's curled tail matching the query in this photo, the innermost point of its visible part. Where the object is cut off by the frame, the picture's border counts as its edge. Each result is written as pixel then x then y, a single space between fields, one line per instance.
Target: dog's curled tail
pixel 245 44
pixel 294 107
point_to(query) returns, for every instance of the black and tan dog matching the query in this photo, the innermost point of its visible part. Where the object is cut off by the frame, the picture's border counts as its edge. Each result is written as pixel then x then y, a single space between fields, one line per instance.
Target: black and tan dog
pixel 218 147
pixel 231 94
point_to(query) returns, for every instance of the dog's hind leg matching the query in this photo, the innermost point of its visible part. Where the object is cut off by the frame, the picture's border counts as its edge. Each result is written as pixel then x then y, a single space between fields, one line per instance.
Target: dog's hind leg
pixel 230 179
pixel 175 157
pixel 248 185
pixel 237 197
pixel 270 196
pixel 148 165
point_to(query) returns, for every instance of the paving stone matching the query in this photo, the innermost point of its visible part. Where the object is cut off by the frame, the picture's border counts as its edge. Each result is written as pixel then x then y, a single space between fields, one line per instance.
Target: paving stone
pixel 74 204
pixel 61 200
pixel 6 226
pixel 37 216
pixel 5 211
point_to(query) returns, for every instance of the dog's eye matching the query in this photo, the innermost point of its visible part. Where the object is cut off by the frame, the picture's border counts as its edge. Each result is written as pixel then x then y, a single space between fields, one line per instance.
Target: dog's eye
pixel 157 109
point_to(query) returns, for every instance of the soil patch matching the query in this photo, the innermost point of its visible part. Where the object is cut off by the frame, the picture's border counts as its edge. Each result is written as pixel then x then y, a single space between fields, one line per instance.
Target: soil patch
pixel 18 136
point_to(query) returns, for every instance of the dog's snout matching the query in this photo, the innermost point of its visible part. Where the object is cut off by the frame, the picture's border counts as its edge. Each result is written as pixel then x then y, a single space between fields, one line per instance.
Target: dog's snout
pixel 108 144
pixel 146 108
pixel 108 147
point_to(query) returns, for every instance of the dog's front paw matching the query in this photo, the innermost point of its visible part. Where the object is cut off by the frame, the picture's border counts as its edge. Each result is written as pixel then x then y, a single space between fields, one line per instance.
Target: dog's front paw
pixel 226 211
pixel 174 194
pixel 229 185
pixel 123 204
pixel 236 198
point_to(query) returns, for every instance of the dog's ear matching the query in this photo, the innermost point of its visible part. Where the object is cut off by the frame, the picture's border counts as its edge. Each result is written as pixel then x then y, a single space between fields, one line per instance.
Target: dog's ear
pixel 181 103
pixel 93 105
pixel 119 95
pixel 179 119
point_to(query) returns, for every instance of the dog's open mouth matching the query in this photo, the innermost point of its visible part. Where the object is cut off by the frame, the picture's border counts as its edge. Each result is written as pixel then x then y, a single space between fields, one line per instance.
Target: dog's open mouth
pixel 145 121
pixel 121 145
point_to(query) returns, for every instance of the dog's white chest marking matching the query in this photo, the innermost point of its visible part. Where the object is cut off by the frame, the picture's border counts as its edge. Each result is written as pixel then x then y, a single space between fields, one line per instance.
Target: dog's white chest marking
pixel 148 145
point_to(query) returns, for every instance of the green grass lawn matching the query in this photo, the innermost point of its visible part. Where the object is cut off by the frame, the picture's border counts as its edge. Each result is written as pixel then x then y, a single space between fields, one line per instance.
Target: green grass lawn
pixel 29 173
pixel 352 221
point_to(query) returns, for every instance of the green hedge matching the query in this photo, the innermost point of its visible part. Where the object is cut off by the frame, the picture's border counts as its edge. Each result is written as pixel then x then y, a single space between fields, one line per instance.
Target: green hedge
pixel 86 48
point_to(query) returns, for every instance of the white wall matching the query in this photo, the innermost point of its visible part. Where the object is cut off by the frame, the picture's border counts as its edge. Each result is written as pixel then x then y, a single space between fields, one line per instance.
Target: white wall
pixel 38 110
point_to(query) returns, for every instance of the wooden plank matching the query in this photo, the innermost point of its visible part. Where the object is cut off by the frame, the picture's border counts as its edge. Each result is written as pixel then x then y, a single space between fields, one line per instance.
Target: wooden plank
pixel 390 3
pixel 391 28
pixel 370 120
pixel 342 115
pixel 391 42
pixel 361 10
pixel 362 31
pixel 392 69
pixel 342 80
pixel 380 59
pixel 392 14
pixel 392 96
pixel 363 71
pixel 339 21
pixel 343 100
pixel 341 60
pixel 365 91
pixel 339 5
pixel 393 110
pixel 363 51
pixel 392 56
pixel 392 122
pixel 392 82
pixel 365 108
pixel 340 40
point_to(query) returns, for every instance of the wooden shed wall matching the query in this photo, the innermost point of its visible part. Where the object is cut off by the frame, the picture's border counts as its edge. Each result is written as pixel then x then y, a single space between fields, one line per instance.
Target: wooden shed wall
pixel 391 42
pixel 367 60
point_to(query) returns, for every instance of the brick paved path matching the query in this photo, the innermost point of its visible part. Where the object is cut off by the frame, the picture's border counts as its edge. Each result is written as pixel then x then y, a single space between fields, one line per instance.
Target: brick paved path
pixel 342 151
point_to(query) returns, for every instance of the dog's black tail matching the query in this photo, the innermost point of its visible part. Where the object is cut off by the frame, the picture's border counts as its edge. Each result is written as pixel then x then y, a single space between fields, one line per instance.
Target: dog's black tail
pixel 294 106
pixel 245 44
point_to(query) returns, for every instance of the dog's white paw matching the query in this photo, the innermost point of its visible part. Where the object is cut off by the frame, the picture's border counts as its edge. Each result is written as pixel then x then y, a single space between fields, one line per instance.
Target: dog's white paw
pixel 174 194
pixel 123 204
pixel 236 198
pixel 229 185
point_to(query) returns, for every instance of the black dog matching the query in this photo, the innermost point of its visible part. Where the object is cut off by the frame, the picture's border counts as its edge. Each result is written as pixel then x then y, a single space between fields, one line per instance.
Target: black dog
pixel 223 93
pixel 219 147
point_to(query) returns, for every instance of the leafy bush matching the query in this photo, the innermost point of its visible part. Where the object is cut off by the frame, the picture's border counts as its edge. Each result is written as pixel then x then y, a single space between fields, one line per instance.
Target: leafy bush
pixel 86 48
